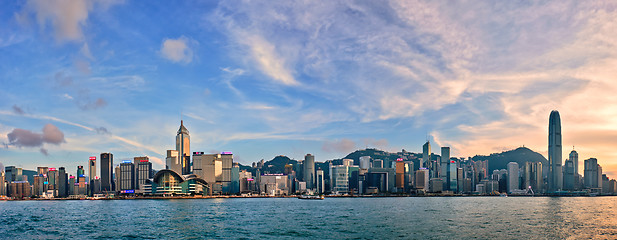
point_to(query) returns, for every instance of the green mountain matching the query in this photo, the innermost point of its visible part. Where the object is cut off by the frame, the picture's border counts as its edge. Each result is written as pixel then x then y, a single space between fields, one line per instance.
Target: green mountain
pixel 277 164
pixel 519 155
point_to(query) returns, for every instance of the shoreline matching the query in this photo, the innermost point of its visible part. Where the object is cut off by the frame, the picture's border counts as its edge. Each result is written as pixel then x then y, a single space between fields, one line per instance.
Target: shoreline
pixel 289 196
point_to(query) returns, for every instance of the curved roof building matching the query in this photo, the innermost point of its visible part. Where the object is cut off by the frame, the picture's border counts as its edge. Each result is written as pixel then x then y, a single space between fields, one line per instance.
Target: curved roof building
pixel 168 182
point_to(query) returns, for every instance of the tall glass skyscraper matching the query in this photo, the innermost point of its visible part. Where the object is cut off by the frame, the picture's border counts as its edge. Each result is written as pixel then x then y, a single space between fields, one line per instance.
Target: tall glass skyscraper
pixel 555 179
pixel 309 171
pixel 183 146
pixel 426 155
pixel 107 163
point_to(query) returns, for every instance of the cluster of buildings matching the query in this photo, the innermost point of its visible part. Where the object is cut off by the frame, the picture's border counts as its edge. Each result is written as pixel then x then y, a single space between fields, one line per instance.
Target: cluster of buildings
pixel 217 174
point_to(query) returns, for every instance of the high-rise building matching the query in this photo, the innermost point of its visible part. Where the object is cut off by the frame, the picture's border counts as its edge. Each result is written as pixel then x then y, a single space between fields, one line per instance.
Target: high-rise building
pixel 532 177
pixel 426 155
pixel 209 167
pixel 443 163
pixel 512 172
pixel 127 175
pixel 2 183
pixel 80 173
pixel 63 183
pixel 107 163
pixel 52 179
pixel 574 157
pixel 92 168
pixel 183 146
pixel 173 161
pixel 340 179
pixel 554 152
pixel 422 179
pixel 226 166
pixel 592 173
pixel 452 176
pixel 365 162
pixel 143 170
pixel 117 178
pixel 13 173
pixel 320 185
pixel 400 175
pixel 569 177
pixel 309 171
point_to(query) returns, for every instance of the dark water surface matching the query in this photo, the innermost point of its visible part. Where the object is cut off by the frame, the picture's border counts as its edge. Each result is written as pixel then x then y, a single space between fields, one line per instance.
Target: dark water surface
pixel 332 218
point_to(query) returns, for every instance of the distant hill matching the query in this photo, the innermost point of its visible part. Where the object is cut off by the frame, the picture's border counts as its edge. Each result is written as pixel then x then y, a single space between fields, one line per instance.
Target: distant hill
pixel 277 164
pixel 519 155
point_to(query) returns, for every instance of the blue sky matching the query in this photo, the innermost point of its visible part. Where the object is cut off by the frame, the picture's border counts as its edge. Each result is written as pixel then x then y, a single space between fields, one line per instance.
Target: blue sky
pixel 267 78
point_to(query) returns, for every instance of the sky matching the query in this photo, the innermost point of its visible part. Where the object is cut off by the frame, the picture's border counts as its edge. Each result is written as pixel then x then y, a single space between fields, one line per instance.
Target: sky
pixel 268 78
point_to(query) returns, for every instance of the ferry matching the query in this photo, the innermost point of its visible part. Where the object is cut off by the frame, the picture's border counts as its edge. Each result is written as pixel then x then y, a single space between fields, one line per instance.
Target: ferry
pixel 311 197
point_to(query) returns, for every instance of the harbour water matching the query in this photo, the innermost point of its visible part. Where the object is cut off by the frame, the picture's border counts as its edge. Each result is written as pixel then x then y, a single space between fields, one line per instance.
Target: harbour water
pixel 332 218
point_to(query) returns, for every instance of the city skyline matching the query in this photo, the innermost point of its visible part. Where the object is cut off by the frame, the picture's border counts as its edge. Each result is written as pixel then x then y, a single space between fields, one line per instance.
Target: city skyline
pixel 321 78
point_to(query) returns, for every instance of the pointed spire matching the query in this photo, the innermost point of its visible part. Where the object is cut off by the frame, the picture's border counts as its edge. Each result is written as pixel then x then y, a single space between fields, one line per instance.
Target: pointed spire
pixel 182 129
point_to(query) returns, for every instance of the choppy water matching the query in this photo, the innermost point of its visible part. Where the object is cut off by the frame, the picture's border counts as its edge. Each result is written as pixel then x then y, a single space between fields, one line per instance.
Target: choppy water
pixel 332 218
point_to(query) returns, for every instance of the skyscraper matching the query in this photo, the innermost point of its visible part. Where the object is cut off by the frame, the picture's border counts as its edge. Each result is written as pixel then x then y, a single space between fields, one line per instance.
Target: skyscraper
pixel 554 152
pixel 107 162
pixel 62 183
pixel 172 162
pixel 92 168
pixel 143 170
pixel 80 173
pixel 183 146
pixel 443 166
pixel 127 176
pixel 512 176
pixel 574 158
pixel 591 173
pixel 309 171
pixel 426 155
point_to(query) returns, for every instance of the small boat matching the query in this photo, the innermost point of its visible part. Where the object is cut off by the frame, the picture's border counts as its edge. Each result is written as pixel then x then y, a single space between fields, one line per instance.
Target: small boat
pixel 311 197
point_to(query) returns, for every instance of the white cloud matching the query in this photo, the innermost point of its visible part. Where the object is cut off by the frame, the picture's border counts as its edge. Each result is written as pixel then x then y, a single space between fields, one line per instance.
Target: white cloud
pixel 66 17
pixel 178 50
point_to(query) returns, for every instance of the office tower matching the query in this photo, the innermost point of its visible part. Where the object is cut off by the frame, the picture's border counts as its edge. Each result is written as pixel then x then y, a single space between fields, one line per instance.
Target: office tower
pixel 400 175
pixel 591 173
pixel 173 162
pixel 143 169
pixel 183 146
pixel 512 169
pixel 422 179
pixel 127 175
pixel 605 182
pixel 569 177
pixel 13 173
pixel 209 167
pixel 226 165
pixel 92 168
pixel 71 184
pixel 52 179
pixel 443 165
pixel 117 178
pixel 309 171
pixel 409 175
pixel 459 180
pixel 320 185
pixel 452 176
pixel 426 155
pixel 62 183
pixel 365 162
pixel 107 163
pixel 554 152
pixel 235 179
pixel 2 183
pixel 80 173
pixel 340 179
pixel 574 157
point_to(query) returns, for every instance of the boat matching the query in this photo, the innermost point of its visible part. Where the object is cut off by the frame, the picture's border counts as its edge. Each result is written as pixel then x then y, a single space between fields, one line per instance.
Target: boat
pixel 311 197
